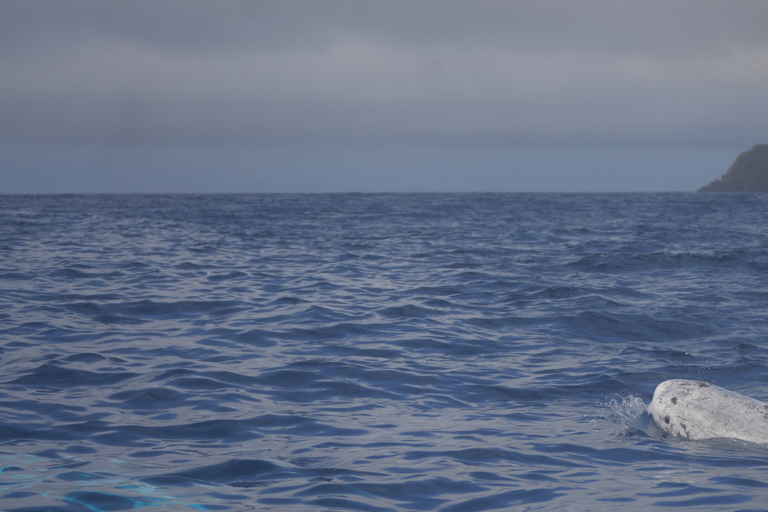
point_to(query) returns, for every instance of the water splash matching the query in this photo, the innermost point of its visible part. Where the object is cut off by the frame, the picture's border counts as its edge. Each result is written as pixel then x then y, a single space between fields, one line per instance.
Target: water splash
pixel 621 414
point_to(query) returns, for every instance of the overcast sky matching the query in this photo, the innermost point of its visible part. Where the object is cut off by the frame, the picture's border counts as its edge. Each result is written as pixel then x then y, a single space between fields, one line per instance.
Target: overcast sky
pixel 378 95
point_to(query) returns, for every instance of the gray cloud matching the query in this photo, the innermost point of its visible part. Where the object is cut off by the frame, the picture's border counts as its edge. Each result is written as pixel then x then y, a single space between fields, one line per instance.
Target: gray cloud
pixel 260 72
pixel 670 27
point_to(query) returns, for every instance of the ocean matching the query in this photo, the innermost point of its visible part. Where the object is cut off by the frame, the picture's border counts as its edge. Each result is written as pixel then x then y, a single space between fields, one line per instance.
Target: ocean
pixel 375 352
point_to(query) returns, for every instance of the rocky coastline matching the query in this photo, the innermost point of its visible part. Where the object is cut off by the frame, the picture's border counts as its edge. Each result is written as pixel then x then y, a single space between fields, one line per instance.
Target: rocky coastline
pixel 749 173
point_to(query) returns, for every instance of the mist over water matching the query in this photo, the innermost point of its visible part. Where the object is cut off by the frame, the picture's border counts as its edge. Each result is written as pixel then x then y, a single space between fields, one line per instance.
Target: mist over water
pixel 375 352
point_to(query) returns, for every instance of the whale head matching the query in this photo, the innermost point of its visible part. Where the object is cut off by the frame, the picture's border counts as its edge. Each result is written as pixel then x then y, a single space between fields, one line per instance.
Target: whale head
pixel 670 404
pixel 698 410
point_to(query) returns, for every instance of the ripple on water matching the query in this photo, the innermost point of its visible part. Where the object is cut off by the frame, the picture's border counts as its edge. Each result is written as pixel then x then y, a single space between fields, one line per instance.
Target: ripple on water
pixel 374 352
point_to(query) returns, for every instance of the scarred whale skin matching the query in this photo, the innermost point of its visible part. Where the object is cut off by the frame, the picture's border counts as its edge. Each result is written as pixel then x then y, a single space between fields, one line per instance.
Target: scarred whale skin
pixel 698 410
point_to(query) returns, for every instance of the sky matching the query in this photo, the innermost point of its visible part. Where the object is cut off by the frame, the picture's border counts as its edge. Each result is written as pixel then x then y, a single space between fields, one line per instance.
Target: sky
pixel 191 96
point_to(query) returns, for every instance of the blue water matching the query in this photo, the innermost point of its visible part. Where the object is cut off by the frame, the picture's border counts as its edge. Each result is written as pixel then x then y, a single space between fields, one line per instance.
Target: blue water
pixel 375 352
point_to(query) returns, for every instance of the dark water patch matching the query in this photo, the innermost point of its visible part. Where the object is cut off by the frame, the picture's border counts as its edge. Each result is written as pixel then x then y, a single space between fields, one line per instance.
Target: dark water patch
pixel 170 481
pixel 50 375
pixel 14 276
pixel 87 273
pixel 152 398
pixel 77 476
pixel 509 499
pixel 85 357
pixel 226 276
pixel 622 328
pixel 186 308
pixel 210 431
pixel 338 504
pixel 707 501
pixel 738 482
pixel 18 495
pixel 22 411
pixel 80 449
pixel 407 312
pixel 103 501
pixel 508 394
pixel 234 471
pixel 485 456
pixel 558 292
pixel 415 494
pixel 49 509
pixel 146 454
pixel 623 456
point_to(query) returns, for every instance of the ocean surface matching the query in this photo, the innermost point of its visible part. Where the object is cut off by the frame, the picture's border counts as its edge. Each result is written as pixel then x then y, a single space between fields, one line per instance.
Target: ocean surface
pixel 415 352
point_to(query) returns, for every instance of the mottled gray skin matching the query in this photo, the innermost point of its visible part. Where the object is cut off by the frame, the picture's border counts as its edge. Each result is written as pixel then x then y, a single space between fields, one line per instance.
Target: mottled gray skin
pixel 697 410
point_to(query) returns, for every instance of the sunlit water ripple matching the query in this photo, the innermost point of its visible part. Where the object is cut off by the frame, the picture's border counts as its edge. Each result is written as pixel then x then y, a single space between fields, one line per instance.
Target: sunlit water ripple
pixel 375 352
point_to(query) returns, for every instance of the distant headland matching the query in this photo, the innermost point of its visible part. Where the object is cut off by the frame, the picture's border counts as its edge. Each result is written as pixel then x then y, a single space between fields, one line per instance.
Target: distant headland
pixel 749 173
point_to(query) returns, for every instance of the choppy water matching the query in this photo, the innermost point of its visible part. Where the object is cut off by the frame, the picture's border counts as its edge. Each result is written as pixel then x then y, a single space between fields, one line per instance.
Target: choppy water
pixel 375 352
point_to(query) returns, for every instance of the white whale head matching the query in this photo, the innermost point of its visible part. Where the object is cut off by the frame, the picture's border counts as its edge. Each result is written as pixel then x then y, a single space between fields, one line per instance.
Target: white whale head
pixel 699 410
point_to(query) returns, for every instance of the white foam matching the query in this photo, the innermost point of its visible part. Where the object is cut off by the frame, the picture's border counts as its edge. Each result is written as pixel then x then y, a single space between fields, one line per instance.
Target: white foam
pixel 622 414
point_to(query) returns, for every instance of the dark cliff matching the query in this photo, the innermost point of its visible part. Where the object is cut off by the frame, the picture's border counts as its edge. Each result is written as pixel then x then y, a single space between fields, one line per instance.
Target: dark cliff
pixel 749 173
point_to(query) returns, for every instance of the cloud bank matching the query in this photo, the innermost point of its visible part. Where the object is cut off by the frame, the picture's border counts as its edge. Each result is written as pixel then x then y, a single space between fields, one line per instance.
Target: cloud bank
pixel 270 72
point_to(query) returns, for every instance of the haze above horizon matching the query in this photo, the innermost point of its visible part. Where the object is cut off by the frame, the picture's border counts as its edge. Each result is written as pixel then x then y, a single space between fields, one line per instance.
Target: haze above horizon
pixel 379 96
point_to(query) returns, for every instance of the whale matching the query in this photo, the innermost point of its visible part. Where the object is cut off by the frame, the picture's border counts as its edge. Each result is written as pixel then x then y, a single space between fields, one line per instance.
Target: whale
pixel 698 410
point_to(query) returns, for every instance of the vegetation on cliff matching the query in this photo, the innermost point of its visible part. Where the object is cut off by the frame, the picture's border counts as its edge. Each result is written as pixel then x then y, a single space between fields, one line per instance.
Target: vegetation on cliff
pixel 749 173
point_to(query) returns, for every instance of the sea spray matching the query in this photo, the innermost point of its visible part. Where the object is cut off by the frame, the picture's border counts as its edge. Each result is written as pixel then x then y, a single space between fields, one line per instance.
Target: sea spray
pixel 619 414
